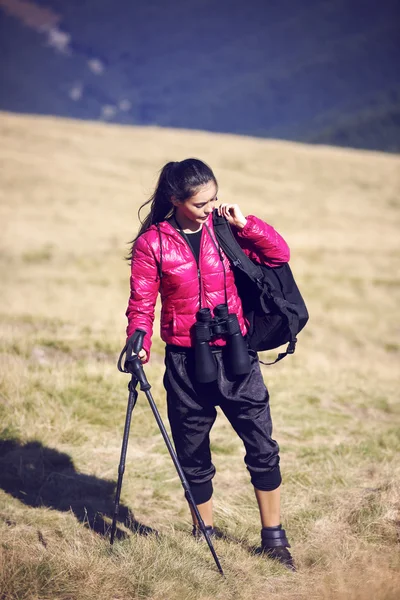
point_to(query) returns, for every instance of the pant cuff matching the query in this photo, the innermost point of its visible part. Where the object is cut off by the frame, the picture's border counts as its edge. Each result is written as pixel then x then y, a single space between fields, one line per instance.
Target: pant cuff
pixel 267 481
pixel 202 492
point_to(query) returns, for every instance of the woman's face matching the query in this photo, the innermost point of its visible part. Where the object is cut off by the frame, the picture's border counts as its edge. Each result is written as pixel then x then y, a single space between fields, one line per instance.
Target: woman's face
pixel 195 210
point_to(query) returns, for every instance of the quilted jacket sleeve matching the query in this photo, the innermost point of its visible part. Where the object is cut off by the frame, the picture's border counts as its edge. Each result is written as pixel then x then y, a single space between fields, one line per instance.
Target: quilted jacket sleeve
pixel 262 243
pixel 144 283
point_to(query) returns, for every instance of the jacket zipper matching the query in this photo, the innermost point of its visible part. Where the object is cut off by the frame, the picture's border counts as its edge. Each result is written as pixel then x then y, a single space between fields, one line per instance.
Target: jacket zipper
pixel 198 267
pixel 184 235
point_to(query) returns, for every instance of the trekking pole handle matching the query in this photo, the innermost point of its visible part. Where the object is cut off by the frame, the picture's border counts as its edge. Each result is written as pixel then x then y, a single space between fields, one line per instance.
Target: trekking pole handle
pixel 131 349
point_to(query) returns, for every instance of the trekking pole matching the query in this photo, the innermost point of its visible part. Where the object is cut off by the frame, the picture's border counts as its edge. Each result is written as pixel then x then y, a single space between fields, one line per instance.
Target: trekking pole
pixel 121 467
pixel 134 366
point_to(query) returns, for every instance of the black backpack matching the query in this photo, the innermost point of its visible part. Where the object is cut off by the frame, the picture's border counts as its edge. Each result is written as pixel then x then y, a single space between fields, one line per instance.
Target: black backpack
pixel 271 299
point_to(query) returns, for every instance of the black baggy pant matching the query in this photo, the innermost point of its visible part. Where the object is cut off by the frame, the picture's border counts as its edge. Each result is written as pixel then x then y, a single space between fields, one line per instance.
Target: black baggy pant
pixel 191 413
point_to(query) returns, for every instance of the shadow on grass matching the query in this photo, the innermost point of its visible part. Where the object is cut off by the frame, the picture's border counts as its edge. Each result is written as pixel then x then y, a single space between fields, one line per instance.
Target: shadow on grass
pixel 41 476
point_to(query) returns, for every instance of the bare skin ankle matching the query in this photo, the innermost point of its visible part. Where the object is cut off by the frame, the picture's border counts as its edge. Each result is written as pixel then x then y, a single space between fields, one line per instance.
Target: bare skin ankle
pixel 206 513
pixel 269 504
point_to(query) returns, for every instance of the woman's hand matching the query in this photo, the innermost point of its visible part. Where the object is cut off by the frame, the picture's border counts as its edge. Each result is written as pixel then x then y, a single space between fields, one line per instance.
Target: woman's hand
pixel 233 215
pixel 142 355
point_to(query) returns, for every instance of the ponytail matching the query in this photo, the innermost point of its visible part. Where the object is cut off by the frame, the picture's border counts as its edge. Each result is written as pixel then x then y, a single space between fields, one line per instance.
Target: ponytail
pixel 179 180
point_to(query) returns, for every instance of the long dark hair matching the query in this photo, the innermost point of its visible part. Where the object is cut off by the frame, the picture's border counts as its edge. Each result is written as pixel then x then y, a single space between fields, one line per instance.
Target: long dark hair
pixel 179 180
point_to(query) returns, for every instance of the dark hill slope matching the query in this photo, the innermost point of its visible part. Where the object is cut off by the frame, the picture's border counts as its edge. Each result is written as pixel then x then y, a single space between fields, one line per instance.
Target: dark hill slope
pixel 311 71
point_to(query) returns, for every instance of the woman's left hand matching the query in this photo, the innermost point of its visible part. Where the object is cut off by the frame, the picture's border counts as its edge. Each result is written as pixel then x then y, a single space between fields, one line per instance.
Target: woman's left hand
pixel 233 215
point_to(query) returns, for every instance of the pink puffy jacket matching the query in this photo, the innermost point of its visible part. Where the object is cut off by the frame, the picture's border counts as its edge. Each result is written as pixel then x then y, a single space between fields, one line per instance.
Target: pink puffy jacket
pixel 183 282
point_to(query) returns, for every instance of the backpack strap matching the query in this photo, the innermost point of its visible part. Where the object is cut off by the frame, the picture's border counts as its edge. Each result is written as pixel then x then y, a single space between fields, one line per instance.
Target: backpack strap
pixel 292 323
pixel 289 350
pixel 232 249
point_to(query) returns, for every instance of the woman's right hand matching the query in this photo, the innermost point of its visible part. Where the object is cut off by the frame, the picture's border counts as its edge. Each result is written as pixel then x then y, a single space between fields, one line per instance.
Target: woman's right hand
pixel 142 354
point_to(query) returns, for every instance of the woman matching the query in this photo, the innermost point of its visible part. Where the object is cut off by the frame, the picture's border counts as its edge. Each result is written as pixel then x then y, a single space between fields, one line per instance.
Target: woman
pixel 176 253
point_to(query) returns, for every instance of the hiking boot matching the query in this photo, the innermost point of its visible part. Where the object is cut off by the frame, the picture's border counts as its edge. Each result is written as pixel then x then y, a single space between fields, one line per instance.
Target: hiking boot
pixel 274 544
pixel 198 534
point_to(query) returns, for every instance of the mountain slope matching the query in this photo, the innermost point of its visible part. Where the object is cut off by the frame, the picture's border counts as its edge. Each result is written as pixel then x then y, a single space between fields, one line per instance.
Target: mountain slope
pixel 303 71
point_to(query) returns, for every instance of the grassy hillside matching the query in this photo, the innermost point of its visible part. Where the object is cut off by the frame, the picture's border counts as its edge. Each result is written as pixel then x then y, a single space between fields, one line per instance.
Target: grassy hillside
pixel 69 197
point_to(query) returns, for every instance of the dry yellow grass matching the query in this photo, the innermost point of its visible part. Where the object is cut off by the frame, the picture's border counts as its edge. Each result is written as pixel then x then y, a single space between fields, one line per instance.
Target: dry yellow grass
pixel 69 197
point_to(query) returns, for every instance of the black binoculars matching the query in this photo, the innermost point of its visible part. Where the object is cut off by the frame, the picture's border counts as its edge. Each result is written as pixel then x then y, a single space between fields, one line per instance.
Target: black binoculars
pixel 208 328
